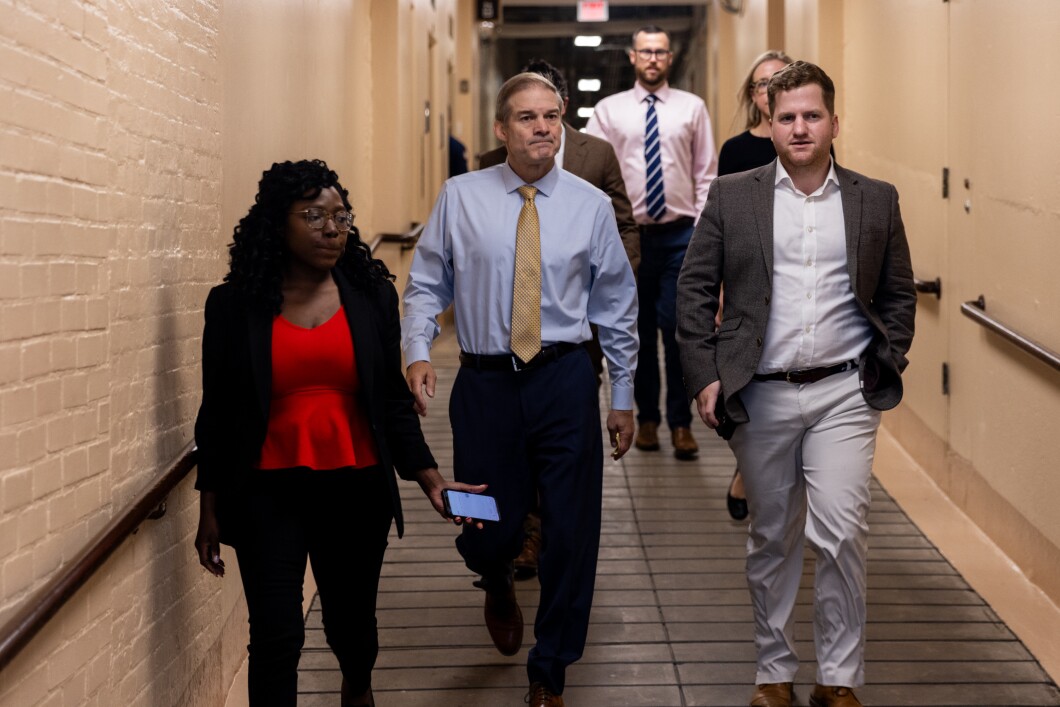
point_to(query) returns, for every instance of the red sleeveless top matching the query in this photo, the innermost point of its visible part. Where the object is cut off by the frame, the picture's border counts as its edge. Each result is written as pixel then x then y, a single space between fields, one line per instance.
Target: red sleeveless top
pixel 315 420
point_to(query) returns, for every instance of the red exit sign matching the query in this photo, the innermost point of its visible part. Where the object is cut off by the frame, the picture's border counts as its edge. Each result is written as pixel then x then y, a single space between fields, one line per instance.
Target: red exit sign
pixel 592 10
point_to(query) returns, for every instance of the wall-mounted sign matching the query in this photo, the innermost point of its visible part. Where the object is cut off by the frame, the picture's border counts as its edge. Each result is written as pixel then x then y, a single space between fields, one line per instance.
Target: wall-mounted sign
pixel 592 11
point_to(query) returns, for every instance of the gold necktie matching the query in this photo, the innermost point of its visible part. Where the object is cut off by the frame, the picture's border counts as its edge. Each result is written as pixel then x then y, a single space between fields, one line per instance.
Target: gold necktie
pixel 526 295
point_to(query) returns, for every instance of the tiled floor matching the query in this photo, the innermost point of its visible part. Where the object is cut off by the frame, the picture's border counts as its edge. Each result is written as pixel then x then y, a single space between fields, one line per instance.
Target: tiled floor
pixel 671 618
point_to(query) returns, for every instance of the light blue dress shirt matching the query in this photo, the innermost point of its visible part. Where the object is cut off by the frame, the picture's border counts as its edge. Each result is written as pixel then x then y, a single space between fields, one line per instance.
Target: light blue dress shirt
pixel 466 255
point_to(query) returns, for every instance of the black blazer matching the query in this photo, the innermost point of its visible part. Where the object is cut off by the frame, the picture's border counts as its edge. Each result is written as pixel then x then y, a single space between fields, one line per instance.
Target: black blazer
pixel 236 382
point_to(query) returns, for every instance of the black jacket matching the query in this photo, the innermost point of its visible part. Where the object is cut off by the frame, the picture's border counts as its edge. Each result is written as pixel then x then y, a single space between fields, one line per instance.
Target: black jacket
pixel 236 381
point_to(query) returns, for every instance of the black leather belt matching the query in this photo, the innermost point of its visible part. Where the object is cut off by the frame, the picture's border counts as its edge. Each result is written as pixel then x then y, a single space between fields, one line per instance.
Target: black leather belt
pixel 807 375
pixel 511 362
pixel 648 229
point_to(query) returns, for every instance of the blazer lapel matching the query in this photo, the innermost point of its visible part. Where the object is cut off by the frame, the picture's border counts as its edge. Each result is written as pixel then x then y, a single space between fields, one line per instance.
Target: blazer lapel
pixel 358 318
pixel 259 334
pixel 851 193
pixel 763 210
pixel 573 154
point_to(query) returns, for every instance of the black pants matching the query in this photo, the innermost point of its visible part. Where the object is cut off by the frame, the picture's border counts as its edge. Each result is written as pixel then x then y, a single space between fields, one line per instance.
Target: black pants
pixel 340 520
pixel 536 434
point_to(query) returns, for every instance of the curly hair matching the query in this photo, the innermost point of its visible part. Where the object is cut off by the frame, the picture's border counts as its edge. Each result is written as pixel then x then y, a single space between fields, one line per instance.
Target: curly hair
pixel 258 252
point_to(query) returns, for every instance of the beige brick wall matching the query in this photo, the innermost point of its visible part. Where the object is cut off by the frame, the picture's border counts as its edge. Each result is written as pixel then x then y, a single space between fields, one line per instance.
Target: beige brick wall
pixel 110 183
pixel 132 135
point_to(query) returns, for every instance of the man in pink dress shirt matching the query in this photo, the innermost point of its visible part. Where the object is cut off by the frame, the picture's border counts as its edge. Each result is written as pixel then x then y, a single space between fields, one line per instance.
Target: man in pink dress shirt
pixel 663 140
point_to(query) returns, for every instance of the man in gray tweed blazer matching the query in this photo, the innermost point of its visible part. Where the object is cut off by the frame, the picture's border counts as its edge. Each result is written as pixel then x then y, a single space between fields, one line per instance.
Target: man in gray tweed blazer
pixel 819 308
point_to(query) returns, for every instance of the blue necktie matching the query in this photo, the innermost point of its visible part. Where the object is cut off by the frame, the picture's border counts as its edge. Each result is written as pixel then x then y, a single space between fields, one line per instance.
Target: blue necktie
pixel 656 199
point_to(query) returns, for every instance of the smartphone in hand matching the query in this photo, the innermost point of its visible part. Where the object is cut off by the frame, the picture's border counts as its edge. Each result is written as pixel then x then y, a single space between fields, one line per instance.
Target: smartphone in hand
pixel 470 505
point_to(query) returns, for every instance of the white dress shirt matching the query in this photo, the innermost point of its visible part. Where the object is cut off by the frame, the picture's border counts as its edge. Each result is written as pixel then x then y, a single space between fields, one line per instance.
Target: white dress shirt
pixel 466 255
pixel 689 158
pixel 814 319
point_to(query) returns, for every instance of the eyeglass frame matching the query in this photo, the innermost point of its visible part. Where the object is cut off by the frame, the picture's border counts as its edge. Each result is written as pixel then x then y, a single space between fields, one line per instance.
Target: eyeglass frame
pixel 760 85
pixel 334 218
pixel 649 54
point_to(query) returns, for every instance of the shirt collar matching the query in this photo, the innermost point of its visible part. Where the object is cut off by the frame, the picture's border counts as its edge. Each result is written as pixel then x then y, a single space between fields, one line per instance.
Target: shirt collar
pixel 513 181
pixel 783 177
pixel 662 93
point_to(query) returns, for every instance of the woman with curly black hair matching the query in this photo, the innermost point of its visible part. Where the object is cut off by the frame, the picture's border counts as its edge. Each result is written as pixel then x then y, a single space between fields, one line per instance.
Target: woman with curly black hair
pixel 305 415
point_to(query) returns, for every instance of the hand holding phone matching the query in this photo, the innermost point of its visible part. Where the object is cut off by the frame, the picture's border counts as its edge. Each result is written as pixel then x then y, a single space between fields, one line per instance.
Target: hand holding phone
pixel 474 506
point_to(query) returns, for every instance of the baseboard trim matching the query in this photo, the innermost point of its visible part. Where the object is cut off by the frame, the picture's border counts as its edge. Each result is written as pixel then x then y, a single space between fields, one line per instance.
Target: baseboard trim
pixel 1005 559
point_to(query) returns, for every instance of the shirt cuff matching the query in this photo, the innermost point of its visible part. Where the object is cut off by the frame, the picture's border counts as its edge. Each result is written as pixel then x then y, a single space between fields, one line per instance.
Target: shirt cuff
pixel 621 398
pixel 417 351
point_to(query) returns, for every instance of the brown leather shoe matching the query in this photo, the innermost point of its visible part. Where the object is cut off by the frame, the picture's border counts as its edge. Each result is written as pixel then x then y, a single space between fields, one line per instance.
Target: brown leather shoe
pixel 776 694
pixel 833 696
pixel 685 446
pixel 541 696
pixel 526 563
pixel 504 618
pixel 647 437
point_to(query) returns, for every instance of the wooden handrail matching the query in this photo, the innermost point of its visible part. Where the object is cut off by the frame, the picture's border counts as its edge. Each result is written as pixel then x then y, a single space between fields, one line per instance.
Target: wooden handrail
pixel 46 601
pixel 150 504
pixel 976 311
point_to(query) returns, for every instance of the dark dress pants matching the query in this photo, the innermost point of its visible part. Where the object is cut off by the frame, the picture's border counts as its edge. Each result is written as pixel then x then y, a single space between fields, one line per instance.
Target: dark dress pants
pixel 662 253
pixel 340 520
pixel 526 433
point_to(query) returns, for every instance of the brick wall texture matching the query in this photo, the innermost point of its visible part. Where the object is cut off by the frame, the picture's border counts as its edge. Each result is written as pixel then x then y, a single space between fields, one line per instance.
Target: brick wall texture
pixel 110 191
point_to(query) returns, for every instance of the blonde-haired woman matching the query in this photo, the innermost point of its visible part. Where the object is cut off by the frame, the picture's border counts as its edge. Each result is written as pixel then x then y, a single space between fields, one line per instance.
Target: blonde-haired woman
pixel 750 149
pixel 753 147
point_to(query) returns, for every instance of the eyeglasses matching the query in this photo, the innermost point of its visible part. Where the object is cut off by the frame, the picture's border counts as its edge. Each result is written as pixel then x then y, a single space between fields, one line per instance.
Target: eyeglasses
pixel 316 218
pixel 760 85
pixel 647 54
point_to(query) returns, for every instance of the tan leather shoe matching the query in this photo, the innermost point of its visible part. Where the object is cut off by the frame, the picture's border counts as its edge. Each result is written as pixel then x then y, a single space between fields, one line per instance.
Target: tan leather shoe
pixel 833 696
pixel 541 696
pixel 685 447
pixel 526 564
pixel 776 694
pixel 504 618
pixel 647 437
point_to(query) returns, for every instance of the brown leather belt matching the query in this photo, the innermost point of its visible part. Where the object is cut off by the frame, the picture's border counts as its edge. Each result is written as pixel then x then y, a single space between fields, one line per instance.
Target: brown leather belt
pixel 511 362
pixel 807 375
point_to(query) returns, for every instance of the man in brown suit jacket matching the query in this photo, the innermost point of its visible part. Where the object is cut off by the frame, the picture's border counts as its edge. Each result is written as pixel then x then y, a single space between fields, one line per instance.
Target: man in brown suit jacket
pixel 819 308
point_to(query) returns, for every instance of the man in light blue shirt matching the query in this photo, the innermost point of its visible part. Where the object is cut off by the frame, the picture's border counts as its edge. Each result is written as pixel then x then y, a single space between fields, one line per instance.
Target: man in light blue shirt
pixel 530 427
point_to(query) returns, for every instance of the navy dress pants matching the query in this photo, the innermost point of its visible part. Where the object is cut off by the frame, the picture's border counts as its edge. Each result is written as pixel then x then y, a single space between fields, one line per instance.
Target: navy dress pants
pixel 528 433
pixel 340 519
pixel 662 254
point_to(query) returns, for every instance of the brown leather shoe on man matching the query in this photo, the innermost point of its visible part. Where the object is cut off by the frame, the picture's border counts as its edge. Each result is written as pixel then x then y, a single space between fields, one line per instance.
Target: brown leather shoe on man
pixel 504 618
pixel 833 696
pixel 685 447
pixel 526 564
pixel 647 437
pixel 777 694
pixel 541 696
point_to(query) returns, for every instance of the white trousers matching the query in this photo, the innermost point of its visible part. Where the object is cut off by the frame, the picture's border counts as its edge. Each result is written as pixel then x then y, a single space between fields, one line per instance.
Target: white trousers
pixel 806 459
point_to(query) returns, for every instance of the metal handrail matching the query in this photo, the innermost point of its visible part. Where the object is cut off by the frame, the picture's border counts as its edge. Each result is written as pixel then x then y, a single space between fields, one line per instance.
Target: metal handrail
pixel 46 601
pixel 976 311
pixel 931 287
pixel 408 239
